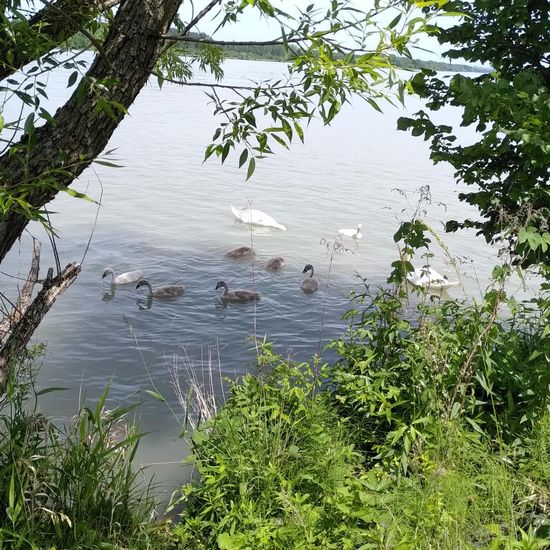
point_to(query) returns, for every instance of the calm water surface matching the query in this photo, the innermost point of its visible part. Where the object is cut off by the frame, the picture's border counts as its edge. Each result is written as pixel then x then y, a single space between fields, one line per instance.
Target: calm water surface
pixel 168 213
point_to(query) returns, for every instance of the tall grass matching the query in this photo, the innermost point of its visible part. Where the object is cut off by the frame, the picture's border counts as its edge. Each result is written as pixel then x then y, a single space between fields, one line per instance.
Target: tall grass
pixel 275 469
pixel 71 487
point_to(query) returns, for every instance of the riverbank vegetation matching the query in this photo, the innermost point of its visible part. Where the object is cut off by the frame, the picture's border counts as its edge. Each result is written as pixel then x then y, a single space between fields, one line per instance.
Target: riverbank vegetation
pixel 432 430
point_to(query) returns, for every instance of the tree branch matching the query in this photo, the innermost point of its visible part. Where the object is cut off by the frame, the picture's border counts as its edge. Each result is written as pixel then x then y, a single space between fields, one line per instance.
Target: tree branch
pixel 23 330
pixel 200 15
pixel 211 41
pixel 51 26
pixel 216 85
pixel 24 297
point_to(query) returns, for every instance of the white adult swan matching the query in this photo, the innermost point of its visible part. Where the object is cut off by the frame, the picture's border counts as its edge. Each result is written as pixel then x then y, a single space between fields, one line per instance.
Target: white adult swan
pixel 256 217
pixel 309 285
pixel 170 291
pixel 352 233
pixel 123 278
pixel 236 295
pixel 427 277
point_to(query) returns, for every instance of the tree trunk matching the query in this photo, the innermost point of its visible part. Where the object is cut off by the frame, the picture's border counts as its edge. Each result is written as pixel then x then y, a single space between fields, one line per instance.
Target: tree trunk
pixel 80 131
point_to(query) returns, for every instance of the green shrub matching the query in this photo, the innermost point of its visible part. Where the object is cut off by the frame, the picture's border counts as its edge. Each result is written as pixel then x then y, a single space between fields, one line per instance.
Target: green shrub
pixel 399 370
pixel 276 471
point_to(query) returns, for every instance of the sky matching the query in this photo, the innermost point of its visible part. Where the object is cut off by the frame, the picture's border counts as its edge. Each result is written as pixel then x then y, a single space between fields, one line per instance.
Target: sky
pixel 252 26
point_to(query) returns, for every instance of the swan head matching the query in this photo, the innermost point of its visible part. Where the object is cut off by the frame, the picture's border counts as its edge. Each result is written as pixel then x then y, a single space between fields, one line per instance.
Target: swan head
pixel 221 284
pixel 108 271
pixel 142 282
pixel 307 268
pixel 359 226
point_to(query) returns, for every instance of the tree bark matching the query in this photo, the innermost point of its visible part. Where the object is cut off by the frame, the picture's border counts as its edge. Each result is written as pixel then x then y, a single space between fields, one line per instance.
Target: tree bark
pixel 80 131
pixel 49 28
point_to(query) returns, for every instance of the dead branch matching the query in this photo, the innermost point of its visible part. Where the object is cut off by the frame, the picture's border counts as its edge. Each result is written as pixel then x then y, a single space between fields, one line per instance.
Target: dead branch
pixel 25 295
pixel 31 316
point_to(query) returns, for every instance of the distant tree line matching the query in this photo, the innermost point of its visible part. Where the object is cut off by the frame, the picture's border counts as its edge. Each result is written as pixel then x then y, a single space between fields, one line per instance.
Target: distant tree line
pixel 277 52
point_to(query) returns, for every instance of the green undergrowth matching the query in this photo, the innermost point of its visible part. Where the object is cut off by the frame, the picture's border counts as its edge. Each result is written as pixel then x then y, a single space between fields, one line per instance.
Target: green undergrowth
pixel 276 470
pixel 70 487
pixel 431 431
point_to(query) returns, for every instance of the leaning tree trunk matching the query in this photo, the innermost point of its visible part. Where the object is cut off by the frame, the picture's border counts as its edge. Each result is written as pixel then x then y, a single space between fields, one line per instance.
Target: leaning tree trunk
pixel 17 327
pixel 80 132
pixel 61 150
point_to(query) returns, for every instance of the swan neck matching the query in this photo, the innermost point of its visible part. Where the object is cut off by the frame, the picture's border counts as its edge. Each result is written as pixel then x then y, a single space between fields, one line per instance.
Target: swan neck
pixel 149 287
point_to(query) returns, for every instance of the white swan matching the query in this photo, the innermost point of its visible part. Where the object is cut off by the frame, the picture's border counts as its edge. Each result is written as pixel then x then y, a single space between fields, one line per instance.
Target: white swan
pixel 427 277
pixel 256 217
pixel 353 233
pixel 123 278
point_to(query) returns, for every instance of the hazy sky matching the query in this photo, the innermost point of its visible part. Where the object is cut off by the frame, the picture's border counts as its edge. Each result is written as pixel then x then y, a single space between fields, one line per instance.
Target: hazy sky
pixel 253 27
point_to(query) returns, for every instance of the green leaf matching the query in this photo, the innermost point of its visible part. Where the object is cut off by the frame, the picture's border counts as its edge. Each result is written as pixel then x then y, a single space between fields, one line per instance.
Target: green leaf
pixel 474 425
pixel 108 163
pixel 299 131
pixel 72 79
pixel 251 168
pixel 243 157
pixel 29 124
pixel 156 395
pixel 50 390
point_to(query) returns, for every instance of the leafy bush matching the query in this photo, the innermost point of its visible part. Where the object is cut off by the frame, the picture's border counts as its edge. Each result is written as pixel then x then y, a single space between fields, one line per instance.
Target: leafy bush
pixel 459 493
pixel 401 370
pixel 276 470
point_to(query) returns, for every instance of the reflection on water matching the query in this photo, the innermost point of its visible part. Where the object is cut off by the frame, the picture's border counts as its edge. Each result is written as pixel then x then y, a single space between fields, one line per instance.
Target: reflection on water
pixel 169 214
pixel 110 294
pixel 146 303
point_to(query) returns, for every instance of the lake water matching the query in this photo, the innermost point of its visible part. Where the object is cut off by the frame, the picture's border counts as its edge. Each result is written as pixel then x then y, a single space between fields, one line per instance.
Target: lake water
pixel 169 214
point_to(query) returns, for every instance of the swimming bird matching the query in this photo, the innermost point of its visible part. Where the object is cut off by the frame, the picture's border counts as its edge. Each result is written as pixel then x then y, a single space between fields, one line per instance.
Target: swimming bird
pixel 241 252
pixel 170 291
pixel 353 233
pixel 309 285
pixel 256 217
pixel 123 278
pixel 427 277
pixel 237 295
pixel 275 264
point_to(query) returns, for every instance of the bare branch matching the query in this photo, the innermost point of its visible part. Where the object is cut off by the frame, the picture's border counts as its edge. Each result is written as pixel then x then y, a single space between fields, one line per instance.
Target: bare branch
pixel 22 332
pixel 215 85
pixel 211 41
pixel 200 15
pixel 24 297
